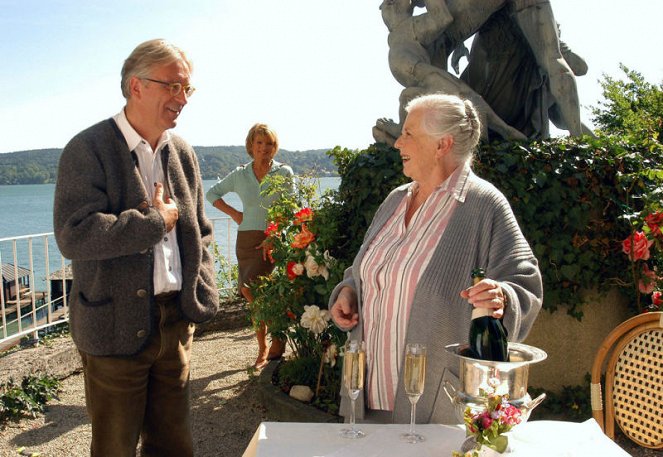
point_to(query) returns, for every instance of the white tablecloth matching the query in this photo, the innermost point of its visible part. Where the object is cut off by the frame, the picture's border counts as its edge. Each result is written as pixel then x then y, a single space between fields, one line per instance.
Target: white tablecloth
pixel 537 438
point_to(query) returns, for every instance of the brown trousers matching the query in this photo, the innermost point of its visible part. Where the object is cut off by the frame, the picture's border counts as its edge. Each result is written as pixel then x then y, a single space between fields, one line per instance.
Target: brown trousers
pixel 146 395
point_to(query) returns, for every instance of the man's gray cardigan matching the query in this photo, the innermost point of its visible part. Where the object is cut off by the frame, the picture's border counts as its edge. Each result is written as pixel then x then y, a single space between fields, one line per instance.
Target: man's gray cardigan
pixel 105 224
pixel 482 232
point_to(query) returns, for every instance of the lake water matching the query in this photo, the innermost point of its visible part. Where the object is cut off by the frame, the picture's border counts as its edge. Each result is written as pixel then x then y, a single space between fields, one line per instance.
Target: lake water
pixel 28 210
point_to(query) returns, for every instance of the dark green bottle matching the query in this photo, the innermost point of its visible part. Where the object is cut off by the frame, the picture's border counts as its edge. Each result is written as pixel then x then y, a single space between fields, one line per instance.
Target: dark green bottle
pixel 487 335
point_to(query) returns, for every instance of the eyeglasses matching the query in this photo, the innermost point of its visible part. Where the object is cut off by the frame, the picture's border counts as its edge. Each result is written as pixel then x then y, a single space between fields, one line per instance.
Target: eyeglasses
pixel 175 88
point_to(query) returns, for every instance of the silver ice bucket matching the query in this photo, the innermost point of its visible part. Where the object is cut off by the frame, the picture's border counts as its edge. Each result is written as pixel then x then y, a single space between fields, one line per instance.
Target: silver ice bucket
pixel 504 378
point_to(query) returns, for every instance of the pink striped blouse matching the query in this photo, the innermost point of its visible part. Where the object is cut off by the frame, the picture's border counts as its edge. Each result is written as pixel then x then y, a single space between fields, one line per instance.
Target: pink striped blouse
pixel 390 270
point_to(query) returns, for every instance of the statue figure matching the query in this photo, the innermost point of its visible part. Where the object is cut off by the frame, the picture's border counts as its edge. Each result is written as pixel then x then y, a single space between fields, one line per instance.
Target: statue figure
pixel 503 69
pixel 410 63
pixel 419 48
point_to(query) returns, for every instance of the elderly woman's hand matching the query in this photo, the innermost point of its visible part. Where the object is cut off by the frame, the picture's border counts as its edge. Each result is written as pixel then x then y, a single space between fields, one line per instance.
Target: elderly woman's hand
pixel 487 293
pixel 344 310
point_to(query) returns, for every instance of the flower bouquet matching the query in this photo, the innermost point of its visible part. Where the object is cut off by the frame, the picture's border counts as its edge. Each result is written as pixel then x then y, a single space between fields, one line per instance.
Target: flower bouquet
pixel 487 427
pixel 292 300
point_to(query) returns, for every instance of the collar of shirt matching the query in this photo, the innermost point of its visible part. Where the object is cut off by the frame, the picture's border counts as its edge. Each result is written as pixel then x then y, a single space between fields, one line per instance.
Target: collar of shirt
pixel 456 183
pixel 132 137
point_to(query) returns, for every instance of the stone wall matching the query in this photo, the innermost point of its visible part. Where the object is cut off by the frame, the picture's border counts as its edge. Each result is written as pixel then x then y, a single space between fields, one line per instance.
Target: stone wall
pixel 570 344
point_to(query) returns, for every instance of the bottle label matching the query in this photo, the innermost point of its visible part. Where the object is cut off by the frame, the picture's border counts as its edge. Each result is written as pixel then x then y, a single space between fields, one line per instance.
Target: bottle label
pixel 481 312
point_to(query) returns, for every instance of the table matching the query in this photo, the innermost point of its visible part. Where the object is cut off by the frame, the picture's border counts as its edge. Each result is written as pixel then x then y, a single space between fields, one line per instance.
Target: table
pixel 536 438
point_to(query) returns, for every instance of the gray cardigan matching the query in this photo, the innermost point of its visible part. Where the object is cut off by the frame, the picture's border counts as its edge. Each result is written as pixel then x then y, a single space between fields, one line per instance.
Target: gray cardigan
pixel 482 232
pixel 104 223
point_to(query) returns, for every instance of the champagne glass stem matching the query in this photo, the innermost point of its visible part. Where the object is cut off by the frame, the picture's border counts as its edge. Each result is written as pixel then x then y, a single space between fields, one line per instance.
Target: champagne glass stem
pixel 352 414
pixel 413 415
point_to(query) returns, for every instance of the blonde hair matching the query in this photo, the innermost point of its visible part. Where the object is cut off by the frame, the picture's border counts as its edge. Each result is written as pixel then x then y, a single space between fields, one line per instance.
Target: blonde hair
pixel 449 115
pixel 260 129
pixel 148 55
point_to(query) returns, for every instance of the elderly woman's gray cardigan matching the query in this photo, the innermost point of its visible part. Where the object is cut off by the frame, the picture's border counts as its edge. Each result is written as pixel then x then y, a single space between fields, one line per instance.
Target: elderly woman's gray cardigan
pixel 482 232
pixel 104 223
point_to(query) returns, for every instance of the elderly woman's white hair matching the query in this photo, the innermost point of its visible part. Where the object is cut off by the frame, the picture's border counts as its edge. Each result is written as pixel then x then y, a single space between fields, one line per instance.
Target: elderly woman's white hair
pixel 450 115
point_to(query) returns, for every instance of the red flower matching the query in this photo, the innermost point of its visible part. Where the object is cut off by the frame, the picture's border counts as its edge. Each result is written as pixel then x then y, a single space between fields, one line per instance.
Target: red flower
pixel 303 215
pixel 303 238
pixel 291 315
pixel 486 421
pixel 640 248
pixel 654 221
pixel 294 269
pixel 272 229
pixel 657 298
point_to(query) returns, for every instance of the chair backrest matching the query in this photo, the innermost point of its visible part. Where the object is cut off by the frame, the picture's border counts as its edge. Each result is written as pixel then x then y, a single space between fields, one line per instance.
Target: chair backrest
pixel 633 357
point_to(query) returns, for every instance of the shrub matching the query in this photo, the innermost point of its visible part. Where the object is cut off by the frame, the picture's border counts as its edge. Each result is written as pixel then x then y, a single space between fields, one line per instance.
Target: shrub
pixel 27 399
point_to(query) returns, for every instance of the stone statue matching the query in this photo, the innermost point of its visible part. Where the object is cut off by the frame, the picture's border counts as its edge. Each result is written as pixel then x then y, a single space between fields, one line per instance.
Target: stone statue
pixel 518 72
pixel 410 64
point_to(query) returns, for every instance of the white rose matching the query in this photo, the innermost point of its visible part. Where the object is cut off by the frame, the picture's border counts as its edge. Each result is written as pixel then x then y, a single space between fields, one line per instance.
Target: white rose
pixel 315 319
pixel 330 355
pixel 314 269
pixel 298 269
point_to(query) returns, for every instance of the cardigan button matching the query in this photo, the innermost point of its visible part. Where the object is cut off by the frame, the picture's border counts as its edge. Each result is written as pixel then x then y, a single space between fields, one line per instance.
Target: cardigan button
pixel 141 333
pixel 142 293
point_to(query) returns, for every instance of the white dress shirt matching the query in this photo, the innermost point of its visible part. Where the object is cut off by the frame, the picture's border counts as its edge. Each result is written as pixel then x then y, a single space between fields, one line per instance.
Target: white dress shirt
pixel 167 262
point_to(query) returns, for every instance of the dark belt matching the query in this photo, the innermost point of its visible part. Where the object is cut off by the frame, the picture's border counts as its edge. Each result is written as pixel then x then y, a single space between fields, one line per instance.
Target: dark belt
pixel 166 297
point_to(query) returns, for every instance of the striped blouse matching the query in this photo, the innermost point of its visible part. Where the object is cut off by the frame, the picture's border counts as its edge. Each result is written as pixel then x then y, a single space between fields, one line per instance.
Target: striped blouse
pixel 390 271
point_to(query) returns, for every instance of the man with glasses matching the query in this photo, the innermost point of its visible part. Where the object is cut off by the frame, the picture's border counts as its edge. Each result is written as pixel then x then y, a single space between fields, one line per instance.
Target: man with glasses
pixel 129 214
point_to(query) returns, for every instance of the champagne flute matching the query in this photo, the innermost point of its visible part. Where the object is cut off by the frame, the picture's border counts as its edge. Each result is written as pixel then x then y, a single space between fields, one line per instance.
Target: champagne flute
pixel 354 364
pixel 414 375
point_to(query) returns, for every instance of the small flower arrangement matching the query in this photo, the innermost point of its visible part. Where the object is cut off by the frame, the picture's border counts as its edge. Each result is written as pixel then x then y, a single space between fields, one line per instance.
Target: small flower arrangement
pixel 292 300
pixel 644 249
pixel 488 426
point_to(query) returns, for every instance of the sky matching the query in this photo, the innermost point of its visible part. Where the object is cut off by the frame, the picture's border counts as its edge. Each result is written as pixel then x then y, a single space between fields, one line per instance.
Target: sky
pixel 314 70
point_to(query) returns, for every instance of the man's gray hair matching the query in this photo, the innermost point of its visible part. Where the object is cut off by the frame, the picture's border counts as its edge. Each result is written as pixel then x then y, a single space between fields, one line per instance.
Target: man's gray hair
pixel 146 56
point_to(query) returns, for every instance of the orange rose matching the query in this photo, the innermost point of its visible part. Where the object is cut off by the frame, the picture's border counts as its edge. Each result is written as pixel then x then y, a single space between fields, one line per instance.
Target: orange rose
pixel 303 238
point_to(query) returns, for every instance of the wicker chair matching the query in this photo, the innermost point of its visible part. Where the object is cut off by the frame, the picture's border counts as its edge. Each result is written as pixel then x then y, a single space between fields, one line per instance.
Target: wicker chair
pixel 633 380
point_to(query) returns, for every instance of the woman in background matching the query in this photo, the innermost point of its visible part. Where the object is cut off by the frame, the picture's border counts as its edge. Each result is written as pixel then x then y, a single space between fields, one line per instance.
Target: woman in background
pixel 262 144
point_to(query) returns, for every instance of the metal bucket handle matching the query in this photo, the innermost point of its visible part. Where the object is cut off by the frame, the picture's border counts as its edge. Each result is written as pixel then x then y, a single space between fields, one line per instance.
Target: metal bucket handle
pixel 449 386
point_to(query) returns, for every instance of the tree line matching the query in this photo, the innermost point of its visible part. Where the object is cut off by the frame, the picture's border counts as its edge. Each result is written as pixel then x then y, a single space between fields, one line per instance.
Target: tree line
pixel 40 166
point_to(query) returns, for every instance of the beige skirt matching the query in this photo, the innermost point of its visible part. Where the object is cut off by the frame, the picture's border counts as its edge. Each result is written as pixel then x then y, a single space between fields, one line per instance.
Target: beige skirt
pixel 249 256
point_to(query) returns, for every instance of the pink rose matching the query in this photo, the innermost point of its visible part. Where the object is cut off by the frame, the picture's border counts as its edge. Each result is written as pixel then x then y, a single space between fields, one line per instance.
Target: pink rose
pixel 657 298
pixel 654 221
pixel 636 246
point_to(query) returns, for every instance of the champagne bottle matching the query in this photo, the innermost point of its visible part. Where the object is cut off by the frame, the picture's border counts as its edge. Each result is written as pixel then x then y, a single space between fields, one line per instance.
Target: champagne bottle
pixel 487 334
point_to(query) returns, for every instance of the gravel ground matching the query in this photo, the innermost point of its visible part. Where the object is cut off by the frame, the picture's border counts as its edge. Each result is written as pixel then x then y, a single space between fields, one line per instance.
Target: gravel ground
pixel 225 411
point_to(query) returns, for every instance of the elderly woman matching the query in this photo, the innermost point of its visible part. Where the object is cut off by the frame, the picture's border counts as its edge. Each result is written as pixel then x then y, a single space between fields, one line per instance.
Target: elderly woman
pixel 410 281
pixel 262 144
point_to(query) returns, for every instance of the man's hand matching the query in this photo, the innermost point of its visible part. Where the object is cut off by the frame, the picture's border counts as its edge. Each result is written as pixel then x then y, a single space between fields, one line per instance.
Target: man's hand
pixel 166 207
pixel 344 310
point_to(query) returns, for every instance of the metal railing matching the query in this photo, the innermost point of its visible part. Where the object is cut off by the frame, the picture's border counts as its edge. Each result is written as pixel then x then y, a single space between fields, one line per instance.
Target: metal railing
pixel 27 301
pixel 36 279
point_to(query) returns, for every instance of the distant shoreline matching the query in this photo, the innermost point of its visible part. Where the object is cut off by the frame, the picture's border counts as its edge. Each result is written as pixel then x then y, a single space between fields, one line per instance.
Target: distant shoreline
pixel 39 166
